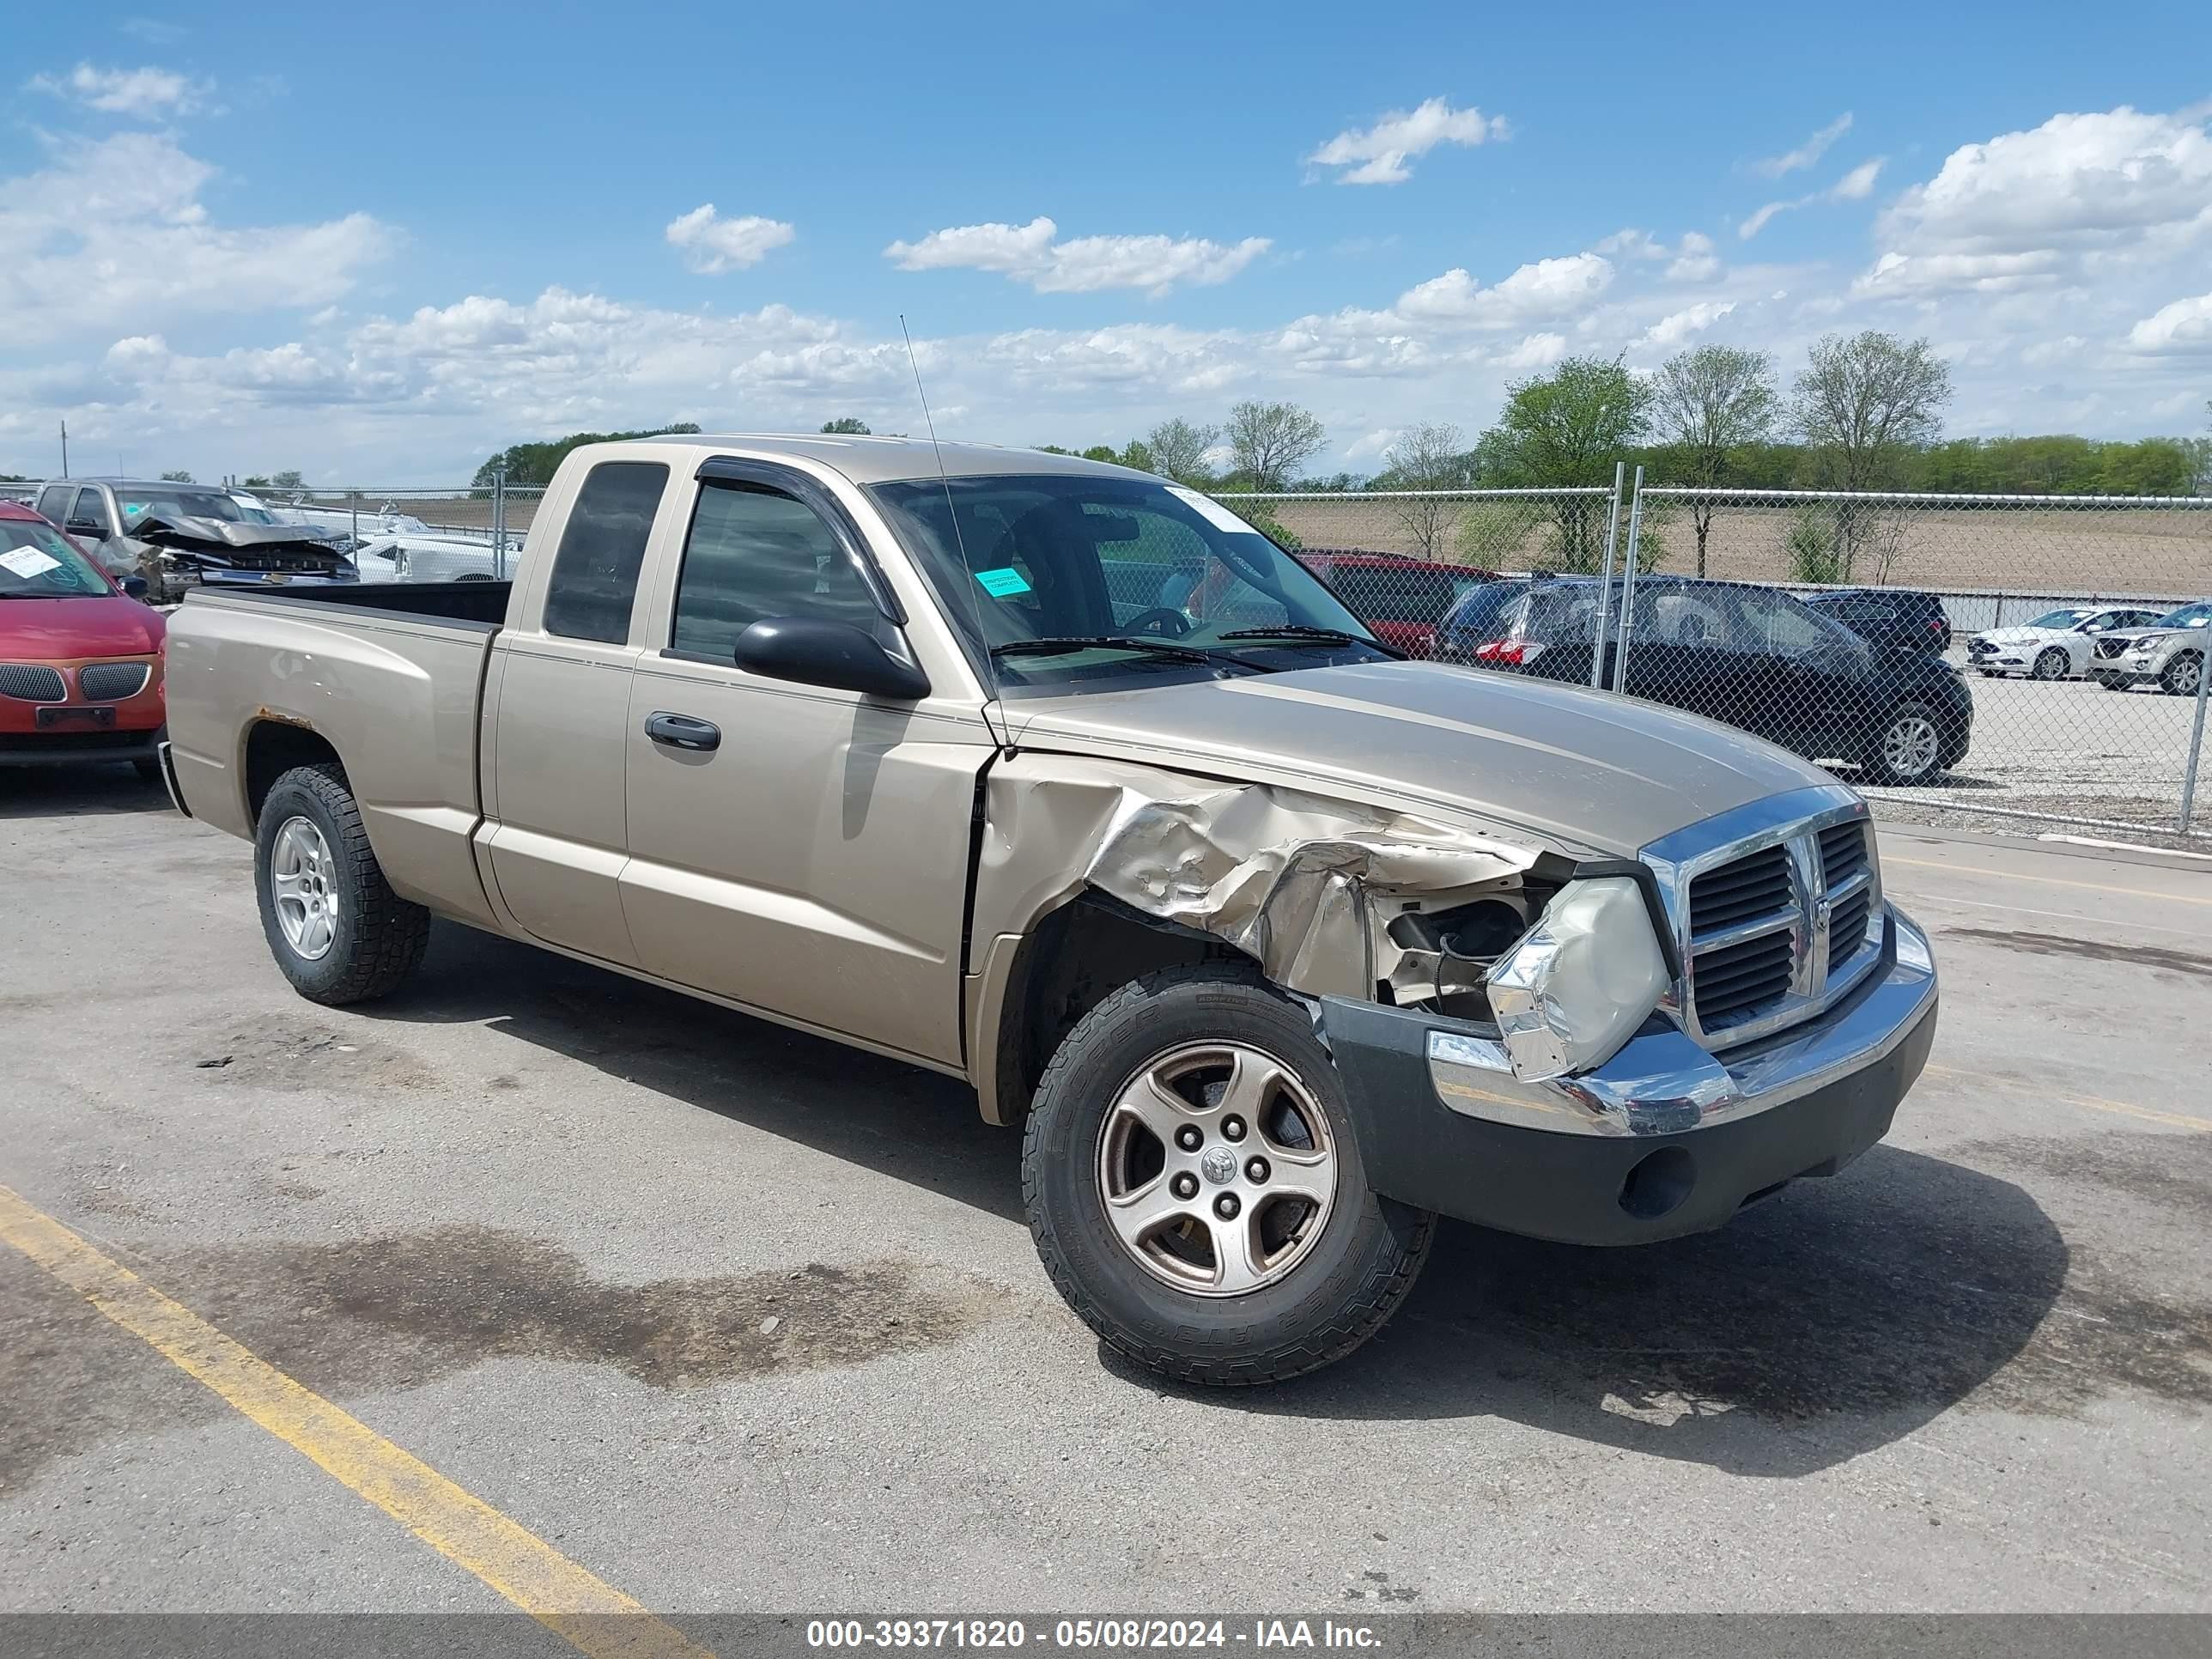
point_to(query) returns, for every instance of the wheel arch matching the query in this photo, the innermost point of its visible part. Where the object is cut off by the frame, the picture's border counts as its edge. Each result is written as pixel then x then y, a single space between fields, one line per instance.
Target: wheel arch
pixel 270 747
pixel 1035 986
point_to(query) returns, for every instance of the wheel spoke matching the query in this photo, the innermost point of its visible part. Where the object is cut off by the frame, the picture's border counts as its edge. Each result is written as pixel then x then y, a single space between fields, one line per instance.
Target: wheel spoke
pixel 1138 1215
pixel 1238 1263
pixel 1311 1179
pixel 1252 1080
pixel 1152 1103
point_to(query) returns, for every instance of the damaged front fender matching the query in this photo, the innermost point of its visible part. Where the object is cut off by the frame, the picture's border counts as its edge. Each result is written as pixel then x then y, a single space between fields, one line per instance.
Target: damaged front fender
pixel 1305 886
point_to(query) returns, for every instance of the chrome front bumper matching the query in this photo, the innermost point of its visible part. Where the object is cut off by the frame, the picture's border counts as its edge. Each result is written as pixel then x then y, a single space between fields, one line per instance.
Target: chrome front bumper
pixel 1661 1082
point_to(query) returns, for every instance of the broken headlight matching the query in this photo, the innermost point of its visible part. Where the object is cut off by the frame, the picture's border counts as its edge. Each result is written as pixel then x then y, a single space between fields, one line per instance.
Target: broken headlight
pixel 1580 982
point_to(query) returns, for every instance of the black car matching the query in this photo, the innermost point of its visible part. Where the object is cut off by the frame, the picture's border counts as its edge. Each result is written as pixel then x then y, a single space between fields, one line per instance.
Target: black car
pixel 1889 615
pixel 1749 655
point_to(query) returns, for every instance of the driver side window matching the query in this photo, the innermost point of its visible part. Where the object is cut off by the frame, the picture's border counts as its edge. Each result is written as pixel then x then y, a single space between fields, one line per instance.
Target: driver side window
pixel 754 552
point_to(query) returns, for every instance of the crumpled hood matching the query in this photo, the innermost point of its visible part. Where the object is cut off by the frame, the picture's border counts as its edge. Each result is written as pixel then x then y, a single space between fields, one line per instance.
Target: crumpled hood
pixel 216 536
pixel 1605 773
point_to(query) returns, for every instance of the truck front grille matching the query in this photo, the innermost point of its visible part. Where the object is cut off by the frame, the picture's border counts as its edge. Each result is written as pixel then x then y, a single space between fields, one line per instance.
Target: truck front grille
pixel 29 682
pixel 1775 934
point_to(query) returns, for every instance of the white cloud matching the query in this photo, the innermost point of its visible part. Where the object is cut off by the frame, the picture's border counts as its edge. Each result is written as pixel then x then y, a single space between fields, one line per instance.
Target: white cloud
pixel 712 245
pixel 1030 253
pixel 1535 351
pixel 113 232
pixel 2081 194
pixel 1695 260
pixel 1378 154
pixel 1373 444
pixel 1854 186
pixel 2184 325
pixel 1542 289
pixel 1677 327
pixel 1774 167
pixel 149 93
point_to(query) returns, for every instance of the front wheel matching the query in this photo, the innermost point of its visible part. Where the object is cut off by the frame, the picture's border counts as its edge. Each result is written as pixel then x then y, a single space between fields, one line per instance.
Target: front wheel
pixel 2052 664
pixel 2183 675
pixel 1906 747
pixel 337 929
pixel 1194 1189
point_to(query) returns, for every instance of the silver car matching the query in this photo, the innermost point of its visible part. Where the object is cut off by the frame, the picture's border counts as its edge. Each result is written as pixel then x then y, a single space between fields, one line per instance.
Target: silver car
pixel 2169 654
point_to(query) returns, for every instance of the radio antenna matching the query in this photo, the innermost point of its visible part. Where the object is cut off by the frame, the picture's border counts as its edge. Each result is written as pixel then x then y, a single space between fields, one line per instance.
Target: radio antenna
pixel 960 546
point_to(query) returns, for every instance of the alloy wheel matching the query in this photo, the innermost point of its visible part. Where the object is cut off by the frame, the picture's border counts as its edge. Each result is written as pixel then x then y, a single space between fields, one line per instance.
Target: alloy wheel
pixel 300 881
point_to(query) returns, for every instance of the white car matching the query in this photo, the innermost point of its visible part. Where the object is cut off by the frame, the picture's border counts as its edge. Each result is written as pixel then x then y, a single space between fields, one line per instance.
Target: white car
pixel 2169 654
pixel 2058 645
pixel 408 558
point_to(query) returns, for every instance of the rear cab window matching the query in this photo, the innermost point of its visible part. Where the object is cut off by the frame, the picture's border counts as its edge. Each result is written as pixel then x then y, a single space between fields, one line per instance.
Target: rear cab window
pixel 592 587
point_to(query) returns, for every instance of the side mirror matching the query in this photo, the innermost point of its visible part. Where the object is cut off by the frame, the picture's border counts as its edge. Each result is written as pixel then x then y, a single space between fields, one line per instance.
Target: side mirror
pixel 134 588
pixel 813 650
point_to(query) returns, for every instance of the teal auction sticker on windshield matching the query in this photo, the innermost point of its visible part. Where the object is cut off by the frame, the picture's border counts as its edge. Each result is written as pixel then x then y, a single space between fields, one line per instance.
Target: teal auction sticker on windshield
pixel 1004 582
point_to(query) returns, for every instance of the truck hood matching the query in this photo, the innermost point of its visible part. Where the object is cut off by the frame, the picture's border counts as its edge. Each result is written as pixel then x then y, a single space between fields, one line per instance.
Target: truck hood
pixel 251 546
pixel 1586 768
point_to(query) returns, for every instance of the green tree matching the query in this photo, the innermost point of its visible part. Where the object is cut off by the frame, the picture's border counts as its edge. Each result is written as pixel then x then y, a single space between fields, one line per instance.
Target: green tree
pixel 176 477
pixel 255 481
pixel 1563 430
pixel 1178 451
pixel 288 479
pixel 1105 453
pixel 534 464
pixel 1710 405
pixel 1136 454
pixel 850 425
pixel 1272 442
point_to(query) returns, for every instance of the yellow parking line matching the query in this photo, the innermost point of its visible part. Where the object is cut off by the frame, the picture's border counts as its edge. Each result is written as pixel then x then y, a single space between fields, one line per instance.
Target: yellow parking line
pixel 2048 881
pixel 530 1572
pixel 2095 1103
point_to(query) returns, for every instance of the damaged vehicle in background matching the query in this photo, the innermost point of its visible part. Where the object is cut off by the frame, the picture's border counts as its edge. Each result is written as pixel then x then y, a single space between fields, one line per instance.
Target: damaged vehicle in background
pixel 1278 946
pixel 177 536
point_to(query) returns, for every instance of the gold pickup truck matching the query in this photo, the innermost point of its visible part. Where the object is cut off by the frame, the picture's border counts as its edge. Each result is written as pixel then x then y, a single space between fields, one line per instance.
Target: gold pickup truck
pixel 1060 779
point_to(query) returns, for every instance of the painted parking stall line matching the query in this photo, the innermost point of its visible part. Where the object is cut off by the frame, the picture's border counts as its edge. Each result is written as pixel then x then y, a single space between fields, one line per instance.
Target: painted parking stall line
pixel 566 1598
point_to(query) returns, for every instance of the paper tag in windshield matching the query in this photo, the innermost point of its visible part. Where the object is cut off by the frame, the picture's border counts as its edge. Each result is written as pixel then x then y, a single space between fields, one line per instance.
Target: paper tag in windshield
pixel 28 561
pixel 1212 511
pixel 1003 583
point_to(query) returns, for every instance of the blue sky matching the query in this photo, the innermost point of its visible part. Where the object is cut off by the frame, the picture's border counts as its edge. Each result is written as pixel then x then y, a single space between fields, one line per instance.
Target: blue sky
pixel 379 249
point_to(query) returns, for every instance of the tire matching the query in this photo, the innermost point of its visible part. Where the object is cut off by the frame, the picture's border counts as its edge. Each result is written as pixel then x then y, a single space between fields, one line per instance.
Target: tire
pixel 2051 664
pixel 1348 1264
pixel 148 771
pixel 374 938
pixel 1899 756
pixel 2182 675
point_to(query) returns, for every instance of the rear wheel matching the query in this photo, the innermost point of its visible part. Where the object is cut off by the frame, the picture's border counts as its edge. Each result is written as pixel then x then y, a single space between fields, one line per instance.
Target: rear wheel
pixel 2184 674
pixel 2053 662
pixel 1195 1191
pixel 1906 747
pixel 337 929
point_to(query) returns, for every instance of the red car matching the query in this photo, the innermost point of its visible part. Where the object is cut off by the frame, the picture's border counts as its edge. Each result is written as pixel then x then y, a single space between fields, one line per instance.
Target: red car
pixel 1402 599
pixel 80 657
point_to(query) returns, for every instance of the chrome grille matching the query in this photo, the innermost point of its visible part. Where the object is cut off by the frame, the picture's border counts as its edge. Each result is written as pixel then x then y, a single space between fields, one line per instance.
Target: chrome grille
pixel 31 682
pixel 1727 898
pixel 1842 854
pixel 1777 907
pixel 111 682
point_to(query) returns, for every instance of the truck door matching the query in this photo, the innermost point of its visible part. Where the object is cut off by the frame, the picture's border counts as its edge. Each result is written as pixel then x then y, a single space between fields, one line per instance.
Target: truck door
pixel 800 849
pixel 557 731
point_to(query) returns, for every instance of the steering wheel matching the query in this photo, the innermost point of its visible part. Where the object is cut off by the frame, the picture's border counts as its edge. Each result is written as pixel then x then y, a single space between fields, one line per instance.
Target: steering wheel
pixel 1171 624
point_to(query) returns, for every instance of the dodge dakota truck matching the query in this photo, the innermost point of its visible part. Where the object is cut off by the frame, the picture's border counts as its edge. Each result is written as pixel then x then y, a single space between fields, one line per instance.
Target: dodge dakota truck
pixel 1061 780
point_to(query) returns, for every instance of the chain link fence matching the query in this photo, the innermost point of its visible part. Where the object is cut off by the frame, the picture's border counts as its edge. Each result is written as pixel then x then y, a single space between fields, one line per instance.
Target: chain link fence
pixel 2018 657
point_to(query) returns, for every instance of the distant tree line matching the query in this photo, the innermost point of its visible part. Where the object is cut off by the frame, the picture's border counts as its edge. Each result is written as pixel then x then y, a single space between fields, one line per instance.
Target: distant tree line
pixel 535 463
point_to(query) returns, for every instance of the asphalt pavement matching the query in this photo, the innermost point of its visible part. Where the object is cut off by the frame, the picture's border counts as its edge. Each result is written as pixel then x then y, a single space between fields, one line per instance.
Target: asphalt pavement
pixel 733 1319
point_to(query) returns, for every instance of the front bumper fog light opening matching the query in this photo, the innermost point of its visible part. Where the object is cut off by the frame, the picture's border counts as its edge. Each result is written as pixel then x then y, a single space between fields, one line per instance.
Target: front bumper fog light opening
pixel 1658 1183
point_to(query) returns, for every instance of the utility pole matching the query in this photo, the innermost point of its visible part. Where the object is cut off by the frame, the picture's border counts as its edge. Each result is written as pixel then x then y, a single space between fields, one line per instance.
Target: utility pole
pixel 65 449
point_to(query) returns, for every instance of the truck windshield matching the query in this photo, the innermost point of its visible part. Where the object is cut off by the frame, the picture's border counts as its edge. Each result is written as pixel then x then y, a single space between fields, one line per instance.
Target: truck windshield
pixel 177 504
pixel 37 561
pixel 1082 562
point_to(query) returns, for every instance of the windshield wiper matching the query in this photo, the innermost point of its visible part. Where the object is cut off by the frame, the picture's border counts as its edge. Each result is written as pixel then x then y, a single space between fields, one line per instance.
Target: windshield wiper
pixel 1300 634
pixel 1067 644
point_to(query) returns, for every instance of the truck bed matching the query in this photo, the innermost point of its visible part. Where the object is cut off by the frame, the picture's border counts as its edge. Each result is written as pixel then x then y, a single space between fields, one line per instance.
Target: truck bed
pixel 480 604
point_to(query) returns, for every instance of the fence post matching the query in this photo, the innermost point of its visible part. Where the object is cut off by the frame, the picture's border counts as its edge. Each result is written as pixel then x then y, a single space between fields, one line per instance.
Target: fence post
pixel 499 523
pixel 1628 583
pixel 2196 730
pixel 1605 581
